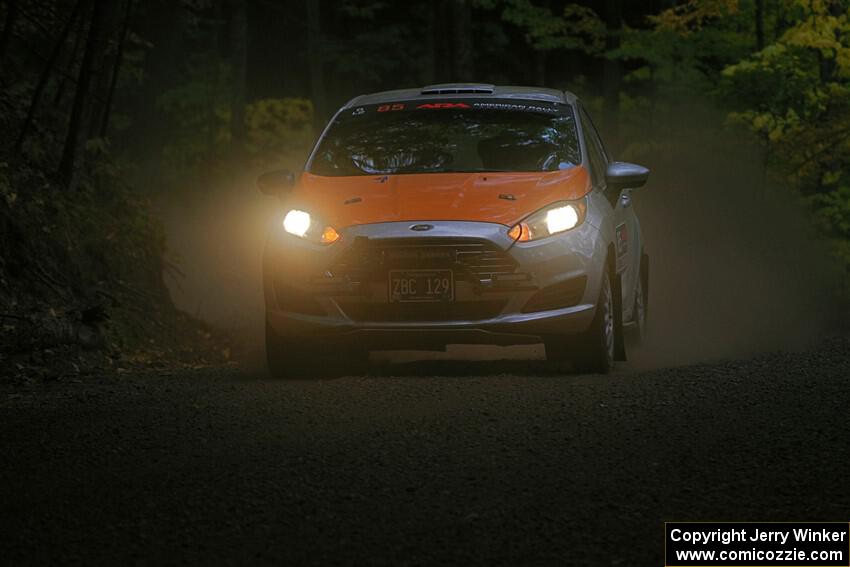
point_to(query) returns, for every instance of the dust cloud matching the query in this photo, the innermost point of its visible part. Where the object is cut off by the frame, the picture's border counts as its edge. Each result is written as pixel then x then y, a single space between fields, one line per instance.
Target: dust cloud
pixel 215 241
pixel 735 268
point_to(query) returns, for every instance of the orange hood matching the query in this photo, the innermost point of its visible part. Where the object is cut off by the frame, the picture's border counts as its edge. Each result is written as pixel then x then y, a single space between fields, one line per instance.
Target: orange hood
pixel 347 201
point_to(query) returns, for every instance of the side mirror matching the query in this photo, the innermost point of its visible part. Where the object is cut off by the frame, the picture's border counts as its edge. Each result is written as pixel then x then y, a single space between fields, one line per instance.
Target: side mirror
pixel 276 183
pixel 622 175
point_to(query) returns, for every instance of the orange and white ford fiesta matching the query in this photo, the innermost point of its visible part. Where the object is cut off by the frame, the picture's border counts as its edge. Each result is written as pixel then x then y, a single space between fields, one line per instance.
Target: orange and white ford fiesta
pixel 454 214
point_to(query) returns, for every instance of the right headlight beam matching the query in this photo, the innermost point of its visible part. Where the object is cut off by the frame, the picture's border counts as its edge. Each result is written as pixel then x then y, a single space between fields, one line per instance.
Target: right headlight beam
pixel 554 219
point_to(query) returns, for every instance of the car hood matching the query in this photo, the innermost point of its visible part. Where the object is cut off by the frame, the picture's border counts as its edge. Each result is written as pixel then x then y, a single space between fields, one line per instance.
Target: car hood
pixel 504 198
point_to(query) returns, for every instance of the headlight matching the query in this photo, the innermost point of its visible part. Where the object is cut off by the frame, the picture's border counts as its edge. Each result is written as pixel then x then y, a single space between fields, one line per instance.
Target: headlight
pixel 297 222
pixel 559 217
pixel 301 224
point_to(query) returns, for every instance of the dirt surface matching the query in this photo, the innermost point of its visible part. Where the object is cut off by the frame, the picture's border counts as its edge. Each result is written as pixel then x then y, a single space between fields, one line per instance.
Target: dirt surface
pixel 419 463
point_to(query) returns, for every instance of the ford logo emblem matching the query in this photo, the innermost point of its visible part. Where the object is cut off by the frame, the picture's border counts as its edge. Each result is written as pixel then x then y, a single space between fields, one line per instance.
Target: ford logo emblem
pixel 422 227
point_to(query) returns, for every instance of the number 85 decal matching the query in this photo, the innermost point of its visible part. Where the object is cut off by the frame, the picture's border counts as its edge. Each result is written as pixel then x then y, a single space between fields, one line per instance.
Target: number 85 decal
pixel 390 107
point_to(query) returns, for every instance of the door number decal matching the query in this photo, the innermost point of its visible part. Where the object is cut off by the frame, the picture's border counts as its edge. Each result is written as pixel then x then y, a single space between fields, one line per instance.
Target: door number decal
pixel 622 240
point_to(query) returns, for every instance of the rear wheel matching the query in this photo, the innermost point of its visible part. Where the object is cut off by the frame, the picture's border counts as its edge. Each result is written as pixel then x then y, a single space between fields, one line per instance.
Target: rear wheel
pixel 297 359
pixel 639 314
pixel 638 327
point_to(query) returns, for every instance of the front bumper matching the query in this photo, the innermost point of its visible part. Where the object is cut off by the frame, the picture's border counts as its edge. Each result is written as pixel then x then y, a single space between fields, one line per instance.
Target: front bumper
pixel 505 292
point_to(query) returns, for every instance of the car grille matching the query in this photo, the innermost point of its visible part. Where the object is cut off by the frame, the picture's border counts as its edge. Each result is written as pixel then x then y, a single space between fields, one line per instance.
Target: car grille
pixel 472 260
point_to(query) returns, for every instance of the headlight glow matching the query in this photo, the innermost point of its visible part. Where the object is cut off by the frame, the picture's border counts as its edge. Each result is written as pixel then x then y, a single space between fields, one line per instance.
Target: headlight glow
pixel 303 225
pixel 297 222
pixel 561 219
pixel 554 219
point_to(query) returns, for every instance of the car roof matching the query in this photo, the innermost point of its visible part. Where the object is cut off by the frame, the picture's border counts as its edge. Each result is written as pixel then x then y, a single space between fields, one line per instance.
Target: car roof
pixel 463 90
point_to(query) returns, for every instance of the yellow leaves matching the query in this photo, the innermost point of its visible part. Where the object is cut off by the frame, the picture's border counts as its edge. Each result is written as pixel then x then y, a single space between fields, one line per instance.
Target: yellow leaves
pixel 278 114
pixel 831 177
pixel 776 128
pixel 842 59
pixel 816 32
pixel 693 14
pixel 275 125
pixel 824 31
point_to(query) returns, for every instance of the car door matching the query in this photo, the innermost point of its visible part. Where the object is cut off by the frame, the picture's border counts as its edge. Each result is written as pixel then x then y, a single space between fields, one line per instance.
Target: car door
pixel 626 228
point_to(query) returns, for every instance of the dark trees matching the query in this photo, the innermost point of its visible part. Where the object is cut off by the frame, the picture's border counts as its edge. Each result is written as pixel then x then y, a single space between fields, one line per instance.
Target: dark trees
pixel 759 25
pixel 317 65
pixel 46 73
pixel 116 69
pixel 74 137
pixel 239 62
pixel 462 48
pixel 8 27
pixel 611 72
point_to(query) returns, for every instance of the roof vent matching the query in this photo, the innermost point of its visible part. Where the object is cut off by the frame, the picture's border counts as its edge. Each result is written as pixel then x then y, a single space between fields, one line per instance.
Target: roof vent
pixel 452 88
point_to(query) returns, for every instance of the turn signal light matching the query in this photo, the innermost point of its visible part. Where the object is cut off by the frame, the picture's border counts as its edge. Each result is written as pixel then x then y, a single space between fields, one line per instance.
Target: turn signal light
pixel 330 235
pixel 520 232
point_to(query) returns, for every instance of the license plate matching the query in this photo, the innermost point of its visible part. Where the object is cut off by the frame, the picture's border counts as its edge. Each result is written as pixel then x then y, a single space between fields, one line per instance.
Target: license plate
pixel 421 285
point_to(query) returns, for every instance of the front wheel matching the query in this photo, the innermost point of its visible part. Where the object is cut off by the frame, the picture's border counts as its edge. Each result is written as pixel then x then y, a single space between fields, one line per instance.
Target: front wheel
pixel 593 350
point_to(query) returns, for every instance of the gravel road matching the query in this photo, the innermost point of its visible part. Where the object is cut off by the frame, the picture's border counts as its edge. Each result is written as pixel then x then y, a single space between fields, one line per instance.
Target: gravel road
pixel 419 463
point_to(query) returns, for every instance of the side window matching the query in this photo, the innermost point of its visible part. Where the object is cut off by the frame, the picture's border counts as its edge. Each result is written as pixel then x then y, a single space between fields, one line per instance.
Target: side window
pixel 595 153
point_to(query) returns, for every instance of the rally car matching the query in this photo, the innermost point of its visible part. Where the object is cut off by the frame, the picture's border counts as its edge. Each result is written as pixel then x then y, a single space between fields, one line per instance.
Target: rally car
pixel 454 214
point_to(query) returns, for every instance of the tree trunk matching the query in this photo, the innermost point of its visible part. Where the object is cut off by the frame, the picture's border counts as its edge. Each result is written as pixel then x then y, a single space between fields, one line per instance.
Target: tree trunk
pixel 102 66
pixel 317 67
pixel 462 62
pixel 759 25
pixel 442 42
pixel 540 55
pixel 46 72
pixel 429 43
pixel 8 28
pixel 540 68
pixel 611 73
pixel 76 131
pixel 116 70
pixel 239 63
pixel 69 67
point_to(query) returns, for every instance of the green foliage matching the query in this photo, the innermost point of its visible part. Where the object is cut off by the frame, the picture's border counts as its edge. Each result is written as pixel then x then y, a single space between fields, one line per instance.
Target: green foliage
pixel 199 111
pixel 361 56
pixel 274 127
pixel 832 215
pixel 684 50
pixel 795 95
pixel 694 15
pixel 277 127
pixel 578 27
pixel 66 251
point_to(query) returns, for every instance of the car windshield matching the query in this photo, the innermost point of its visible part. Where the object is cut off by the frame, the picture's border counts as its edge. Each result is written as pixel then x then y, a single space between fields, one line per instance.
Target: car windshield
pixel 447 137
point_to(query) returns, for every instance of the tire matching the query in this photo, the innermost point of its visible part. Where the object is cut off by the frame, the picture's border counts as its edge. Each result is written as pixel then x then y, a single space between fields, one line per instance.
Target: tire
pixel 639 314
pixel 592 351
pixel 595 348
pixel 294 359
